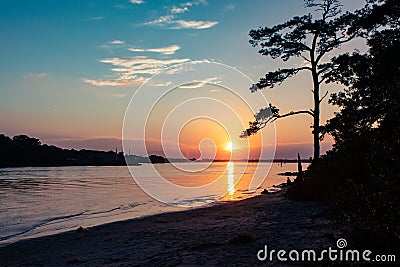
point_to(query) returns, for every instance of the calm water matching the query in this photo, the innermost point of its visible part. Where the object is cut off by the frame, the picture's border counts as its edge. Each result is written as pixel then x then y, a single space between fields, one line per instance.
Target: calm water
pixel 41 201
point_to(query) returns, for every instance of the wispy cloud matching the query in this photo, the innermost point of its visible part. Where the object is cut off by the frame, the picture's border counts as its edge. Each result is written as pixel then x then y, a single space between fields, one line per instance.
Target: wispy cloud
pixel 117 42
pixel 112 45
pixel 114 82
pixel 184 24
pixel 96 18
pixel 142 61
pixel 115 95
pixel 179 10
pixel 136 1
pixel 35 75
pixel 171 21
pixel 230 7
pixel 169 50
pixel 162 84
pixel 177 68
pixel 195 3
pixel 133 70
pixel 198 84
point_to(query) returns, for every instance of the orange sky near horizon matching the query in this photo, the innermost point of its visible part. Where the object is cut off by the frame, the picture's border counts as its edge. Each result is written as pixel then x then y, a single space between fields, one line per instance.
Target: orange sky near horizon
pixel 201 122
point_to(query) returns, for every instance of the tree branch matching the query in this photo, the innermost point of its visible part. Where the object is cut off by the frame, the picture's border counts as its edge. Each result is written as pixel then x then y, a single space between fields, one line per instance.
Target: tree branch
pixel 324 67
pixel 304 68
pixel 291 113
pixel 322 80
pixel 295 113
pixel 322 98
pixel 306 59
pixel 276 77
pixel 269 115
pixel 337 41
pixel 319 57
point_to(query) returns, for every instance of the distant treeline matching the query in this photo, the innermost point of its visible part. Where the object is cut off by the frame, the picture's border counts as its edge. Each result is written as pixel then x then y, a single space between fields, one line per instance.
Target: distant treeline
pixel 22 150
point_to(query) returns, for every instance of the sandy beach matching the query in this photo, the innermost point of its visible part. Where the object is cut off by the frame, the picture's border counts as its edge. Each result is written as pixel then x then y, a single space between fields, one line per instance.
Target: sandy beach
pixel 226 234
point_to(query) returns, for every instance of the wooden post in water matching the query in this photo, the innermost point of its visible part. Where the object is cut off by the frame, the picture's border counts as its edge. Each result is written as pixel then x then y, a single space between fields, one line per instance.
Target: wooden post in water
pixel 299 168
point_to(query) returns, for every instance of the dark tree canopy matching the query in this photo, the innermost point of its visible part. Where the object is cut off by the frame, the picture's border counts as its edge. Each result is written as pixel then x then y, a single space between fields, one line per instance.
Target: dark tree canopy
pixel 375 14
pixel 361 174
pixel 309 37
pixel 367 103
pixel 26 141
pixel 22 150
pixel 371 98
pixel 306 37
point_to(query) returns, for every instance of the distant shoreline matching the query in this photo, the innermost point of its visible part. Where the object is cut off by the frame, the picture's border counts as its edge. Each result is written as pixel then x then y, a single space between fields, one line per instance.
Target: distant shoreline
pixel 139 164
pixel 25 151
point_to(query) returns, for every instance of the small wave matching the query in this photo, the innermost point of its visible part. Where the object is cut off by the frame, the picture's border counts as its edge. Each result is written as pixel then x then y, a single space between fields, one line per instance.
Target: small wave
pixel 207 199
pixel 106 213
pixel 41 224
pixel 59 219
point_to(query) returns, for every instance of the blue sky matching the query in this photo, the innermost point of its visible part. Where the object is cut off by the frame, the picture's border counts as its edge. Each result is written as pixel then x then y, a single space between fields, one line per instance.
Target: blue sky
pixel 69 68
pixel 70 37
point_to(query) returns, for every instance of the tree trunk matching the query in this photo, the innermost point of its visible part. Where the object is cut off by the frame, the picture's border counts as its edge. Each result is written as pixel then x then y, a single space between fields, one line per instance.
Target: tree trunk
pixel 316 125
pixel 314 71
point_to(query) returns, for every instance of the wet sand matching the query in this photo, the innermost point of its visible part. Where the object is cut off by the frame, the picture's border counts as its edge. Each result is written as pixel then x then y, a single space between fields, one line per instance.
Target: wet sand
pixel 225 234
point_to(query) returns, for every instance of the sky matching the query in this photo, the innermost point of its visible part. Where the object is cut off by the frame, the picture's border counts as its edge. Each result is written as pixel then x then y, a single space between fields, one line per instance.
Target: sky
pixel 69 69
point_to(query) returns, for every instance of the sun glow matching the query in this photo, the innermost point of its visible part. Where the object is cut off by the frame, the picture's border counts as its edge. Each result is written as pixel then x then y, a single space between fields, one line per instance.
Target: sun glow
pixel 229 147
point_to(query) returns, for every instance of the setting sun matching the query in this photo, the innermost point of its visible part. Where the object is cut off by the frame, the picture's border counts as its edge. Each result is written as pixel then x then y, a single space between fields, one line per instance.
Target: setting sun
pixel 229 147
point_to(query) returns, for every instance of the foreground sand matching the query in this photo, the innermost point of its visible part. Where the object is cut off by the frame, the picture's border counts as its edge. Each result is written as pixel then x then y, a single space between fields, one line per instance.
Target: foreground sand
pixel 226 234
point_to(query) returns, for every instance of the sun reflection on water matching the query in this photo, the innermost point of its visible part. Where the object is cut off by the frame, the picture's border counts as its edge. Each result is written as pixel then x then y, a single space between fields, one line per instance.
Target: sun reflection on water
pixel 231 184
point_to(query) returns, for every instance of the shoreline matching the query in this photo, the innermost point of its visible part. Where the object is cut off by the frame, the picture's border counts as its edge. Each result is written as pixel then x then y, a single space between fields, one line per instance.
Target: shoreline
pixel 61 231
pixel 124 164
pixel 226 233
